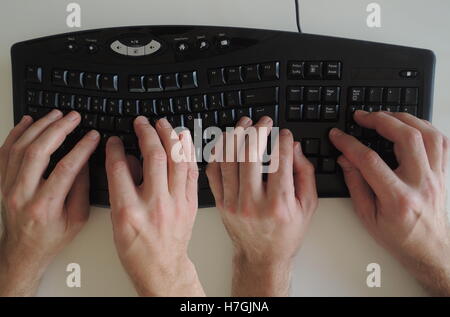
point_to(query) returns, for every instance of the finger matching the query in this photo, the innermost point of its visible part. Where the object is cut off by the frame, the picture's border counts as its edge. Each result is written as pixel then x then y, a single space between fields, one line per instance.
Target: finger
pixel 408 142
pixel 122 189
pixel 250 171
pixel 37 155
pixel 154 156
pixel 432 138
pixel 362 196
pixel 229 167
pixel 282 180
pixel 176 164
pixel 304 180
pixel 77 203
pixel 62 177
pixel 12 138
pixel 135 169
pixel 374 170
pixel 193 172
pixel 445 156
pixel 18 148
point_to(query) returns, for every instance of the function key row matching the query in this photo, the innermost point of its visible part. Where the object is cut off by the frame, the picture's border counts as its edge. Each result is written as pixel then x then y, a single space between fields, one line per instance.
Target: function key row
pixel 311 70
pixel 381 95
pixel 244 74
pixel 86 80
pixel 166 82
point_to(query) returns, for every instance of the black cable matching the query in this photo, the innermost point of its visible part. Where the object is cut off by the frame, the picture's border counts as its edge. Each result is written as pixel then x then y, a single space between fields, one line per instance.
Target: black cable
pixel 297 16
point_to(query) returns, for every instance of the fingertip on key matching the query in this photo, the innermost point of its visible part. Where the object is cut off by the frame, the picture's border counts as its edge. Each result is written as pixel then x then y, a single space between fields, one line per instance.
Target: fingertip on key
pixel 335 132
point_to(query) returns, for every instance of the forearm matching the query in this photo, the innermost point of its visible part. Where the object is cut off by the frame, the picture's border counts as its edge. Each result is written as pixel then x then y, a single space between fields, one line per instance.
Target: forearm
pixel 269 279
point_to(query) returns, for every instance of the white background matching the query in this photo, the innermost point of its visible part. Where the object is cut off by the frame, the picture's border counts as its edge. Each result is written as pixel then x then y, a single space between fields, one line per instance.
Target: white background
pixel 337 249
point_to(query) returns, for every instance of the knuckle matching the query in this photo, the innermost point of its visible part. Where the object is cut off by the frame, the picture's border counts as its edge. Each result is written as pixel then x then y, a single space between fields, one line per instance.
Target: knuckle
pixel 156 154
pixel 65 167
pixel 413 136
pixel 16 150
pixel 370 157
pixel 33 152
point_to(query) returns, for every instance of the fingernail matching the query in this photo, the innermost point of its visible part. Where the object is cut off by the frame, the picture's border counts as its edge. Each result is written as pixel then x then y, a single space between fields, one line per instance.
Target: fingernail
pixel 114 139
pixel 73 115
pixel 360 112
pixel 265 119
pixel 25 119
pixel 285 132
pixel 245 121
pixel 297 147
pixel 163 123
pixel 335 132
pixel 54 114
pixel 141 120
pixel 93 135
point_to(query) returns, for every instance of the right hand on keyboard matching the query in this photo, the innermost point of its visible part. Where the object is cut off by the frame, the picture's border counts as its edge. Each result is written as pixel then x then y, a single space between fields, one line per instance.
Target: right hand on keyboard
pixel 153 221
pixel 266 221
pixel 404 209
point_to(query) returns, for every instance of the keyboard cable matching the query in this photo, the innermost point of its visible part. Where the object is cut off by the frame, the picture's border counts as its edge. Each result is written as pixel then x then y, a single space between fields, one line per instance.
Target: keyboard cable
pixel 297 16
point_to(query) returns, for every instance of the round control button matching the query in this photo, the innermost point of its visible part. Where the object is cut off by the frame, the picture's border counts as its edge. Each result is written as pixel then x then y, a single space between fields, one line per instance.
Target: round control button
pixel 182 47
pixel 92 48
pixel 203 45
pixel 72 46
pixel 223 42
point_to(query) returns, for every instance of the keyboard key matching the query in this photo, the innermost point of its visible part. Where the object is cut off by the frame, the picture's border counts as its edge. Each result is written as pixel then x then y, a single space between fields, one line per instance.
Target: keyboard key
pixel 295 70
pixel 153 83
pixel 233 75
pixel 209 119
pixel 250 73
pixel 130 108
pixel 351 111
pixel 97 105
pixel 89 121
pixel 169 82
pixel 294 95
pixel 241 112
pixel 375 95
pixel 189 121
pixel 113 106
pixel 130 141
pixel 81 103
pixel 269 71
pixel 136 83
pixel 313 94
pixel 163 107
pixel 313 70
pixel 328 165
pixel 330 112
pixel 409 109
pixel 49 99
pixel 410 96
pixel 59 77
pixel 390 108
pixel 175 121
pixel 91 81
pixel 232 99
pixel 356 95
pixel 372 108
pixel 215 77
pixel 354 130
pixel 214 101
pixel 331 95
pixel 393 96
pixel 315 162
pixel 106 122
pixel 333 70
pixel 75 79
pixel 197 103
pixel 311 146
pixel 33 74
pixel 294 113
pixel 260 96
pixel 148 108
pixel 226 118
pixel 259 112
pixel 124 124
pixel 33 97
pixel 109 82
pixel 180 104
pixel 65 101
pixel 188 80
pixel 311 112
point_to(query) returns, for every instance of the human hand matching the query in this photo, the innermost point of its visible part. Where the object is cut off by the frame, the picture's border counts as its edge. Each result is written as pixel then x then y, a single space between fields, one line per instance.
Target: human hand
pixel 40 217
pixel 153 221
pixel 266 221
pixel 403 209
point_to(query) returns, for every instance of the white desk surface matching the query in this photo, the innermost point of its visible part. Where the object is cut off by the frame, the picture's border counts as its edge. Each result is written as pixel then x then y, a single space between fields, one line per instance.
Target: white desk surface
pixel 337 249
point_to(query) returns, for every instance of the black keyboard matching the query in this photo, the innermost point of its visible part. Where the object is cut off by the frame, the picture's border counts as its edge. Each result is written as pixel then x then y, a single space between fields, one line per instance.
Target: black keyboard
pixel 306 83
